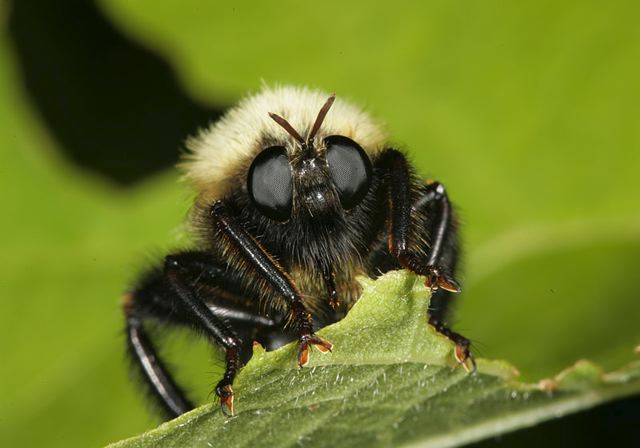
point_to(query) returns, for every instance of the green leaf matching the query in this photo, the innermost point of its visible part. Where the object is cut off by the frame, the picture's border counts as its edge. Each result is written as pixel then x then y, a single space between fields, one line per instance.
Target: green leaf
pixel 392 380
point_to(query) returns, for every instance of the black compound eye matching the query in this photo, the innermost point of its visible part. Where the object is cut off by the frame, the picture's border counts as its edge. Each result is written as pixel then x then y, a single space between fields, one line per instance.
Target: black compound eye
pixel 270 185
pixel 350 169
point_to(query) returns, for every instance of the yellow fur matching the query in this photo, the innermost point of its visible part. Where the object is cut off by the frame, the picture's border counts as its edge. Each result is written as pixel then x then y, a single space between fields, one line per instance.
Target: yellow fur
pixel 216 153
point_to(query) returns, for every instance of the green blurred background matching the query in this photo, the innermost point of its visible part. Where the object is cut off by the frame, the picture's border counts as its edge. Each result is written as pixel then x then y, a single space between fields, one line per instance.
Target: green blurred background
pixel 528 112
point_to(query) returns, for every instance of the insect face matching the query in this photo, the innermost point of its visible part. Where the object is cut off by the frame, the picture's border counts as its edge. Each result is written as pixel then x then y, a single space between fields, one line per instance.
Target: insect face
pixel 315 195
pixel 315 182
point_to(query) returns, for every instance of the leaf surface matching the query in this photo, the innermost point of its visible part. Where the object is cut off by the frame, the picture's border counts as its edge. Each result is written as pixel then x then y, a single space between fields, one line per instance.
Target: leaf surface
pixel 391 381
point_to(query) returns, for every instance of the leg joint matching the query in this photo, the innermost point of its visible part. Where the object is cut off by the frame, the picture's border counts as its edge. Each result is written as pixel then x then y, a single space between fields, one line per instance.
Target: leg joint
pixel 217 209
pixel 231 343
pixel 131 312
pixel 128 304
pixel 436 191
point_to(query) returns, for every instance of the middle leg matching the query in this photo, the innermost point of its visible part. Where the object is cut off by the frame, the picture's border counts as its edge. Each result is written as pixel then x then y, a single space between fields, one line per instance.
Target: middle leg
pixel 196 291
pixel 431 203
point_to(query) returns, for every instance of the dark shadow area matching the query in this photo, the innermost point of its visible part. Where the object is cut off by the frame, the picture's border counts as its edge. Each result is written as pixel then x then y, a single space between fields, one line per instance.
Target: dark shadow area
pixel 613 424
pixel 114 107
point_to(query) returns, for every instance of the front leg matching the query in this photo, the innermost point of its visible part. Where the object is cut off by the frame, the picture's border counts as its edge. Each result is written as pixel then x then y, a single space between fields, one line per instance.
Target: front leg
pixel 401 205
pixel 260 263
pixel 404 199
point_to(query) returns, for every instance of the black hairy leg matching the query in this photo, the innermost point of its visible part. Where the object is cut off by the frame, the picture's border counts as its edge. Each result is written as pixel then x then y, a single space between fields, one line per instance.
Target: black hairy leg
pixel 439 231
pixel 401 207
pixel 463 345
pixel 176 295
pixel 442 234
pixel 170 397
pixel 262 265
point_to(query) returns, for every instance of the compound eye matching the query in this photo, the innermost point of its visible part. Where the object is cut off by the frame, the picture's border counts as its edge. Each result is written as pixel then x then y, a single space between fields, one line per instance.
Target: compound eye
pixel 350 169
pixel 270 185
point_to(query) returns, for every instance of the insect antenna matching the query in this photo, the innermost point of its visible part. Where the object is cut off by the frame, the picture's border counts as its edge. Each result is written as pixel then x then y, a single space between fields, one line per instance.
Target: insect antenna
pixel 287 127
pixel 320 118
pixel 307 145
